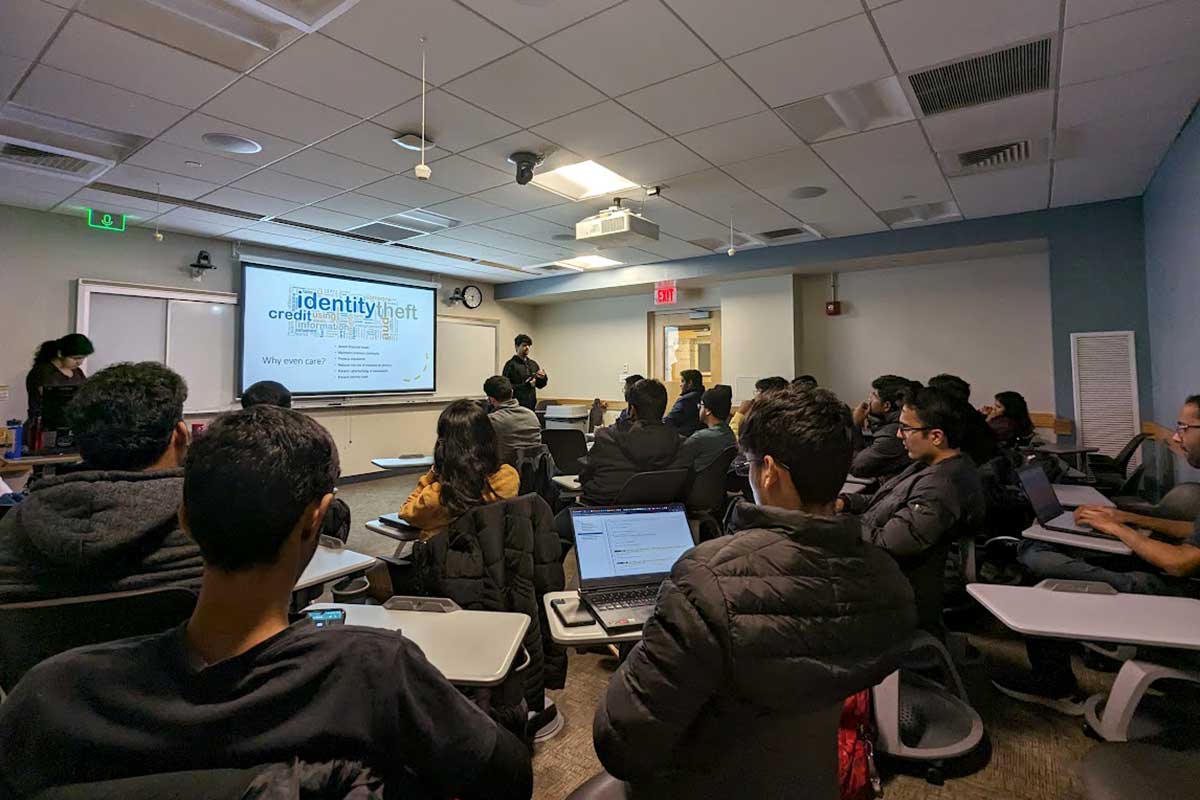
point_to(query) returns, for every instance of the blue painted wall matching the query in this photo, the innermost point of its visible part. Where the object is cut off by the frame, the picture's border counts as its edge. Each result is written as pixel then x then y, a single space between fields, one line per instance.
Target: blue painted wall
pixel 1097 272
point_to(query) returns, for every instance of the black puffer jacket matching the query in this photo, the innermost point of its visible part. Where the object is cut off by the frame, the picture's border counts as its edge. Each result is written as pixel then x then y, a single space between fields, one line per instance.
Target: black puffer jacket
pixel 883 455
pixel 619 453
pixel 684 416
pixel 786 617
pixel 503 557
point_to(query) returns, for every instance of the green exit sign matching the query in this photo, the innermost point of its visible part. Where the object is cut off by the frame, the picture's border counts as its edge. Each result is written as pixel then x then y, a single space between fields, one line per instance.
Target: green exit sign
pixel 106 220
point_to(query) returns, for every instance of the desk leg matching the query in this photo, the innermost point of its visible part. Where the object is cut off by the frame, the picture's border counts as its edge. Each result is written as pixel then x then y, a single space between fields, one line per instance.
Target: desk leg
pixel 1128 689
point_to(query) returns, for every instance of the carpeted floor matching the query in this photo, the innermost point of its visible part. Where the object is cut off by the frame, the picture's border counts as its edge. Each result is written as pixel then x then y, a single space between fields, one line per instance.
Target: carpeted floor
pixel 1030 753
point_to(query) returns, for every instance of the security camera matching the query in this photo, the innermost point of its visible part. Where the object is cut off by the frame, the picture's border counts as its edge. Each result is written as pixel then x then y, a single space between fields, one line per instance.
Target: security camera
pixel 526 162
pixel 423 172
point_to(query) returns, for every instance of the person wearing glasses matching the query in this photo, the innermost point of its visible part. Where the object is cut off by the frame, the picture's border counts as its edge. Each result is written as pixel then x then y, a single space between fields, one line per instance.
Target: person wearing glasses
pixel 1167 563
pixel 937 499
pixel 878 417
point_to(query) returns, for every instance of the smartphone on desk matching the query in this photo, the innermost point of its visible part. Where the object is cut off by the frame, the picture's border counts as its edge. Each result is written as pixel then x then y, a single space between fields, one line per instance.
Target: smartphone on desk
pixel 572 613
pixel 327 617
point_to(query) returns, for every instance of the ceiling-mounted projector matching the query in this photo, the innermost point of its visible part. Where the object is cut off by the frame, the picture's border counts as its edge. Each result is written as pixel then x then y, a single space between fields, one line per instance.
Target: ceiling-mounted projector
pixel 615 227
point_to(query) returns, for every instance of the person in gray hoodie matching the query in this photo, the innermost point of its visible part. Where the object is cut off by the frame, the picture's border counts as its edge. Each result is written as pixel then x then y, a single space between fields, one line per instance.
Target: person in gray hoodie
pixel 112 525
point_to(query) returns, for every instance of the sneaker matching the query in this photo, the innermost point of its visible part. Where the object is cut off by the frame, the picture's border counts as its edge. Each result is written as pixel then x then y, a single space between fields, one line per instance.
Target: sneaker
pixel 1027 689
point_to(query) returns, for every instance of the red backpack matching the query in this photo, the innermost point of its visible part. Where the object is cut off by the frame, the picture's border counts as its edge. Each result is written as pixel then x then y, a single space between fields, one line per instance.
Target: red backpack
pixel 857 778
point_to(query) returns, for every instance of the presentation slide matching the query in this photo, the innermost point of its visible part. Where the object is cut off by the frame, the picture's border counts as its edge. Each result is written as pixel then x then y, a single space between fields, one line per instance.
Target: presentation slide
pixel 332 335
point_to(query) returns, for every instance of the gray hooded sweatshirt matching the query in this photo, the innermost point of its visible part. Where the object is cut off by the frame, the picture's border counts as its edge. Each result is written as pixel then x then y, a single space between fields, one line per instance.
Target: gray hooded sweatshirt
pixel 97 531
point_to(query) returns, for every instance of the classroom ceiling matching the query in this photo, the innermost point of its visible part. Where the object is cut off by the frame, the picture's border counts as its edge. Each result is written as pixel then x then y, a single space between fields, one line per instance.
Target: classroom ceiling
pixel 784 114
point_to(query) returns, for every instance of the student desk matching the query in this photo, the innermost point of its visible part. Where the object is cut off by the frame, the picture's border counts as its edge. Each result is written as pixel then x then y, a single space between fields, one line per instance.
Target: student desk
pixel 568 483
pixel 1137 619
pixel 471 648
pixel 582 635
pixel 328 565
pixel 1099 544
pixel 26 464
pixel 408 462
pixel 1073 496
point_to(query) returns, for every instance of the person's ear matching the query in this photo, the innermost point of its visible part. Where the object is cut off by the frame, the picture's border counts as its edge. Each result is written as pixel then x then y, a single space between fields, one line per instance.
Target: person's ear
pixel 314 515
pixel 181 437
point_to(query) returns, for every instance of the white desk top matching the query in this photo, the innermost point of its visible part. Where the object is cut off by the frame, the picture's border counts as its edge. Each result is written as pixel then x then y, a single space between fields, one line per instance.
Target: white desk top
pixel 581 635
pixel 329 565
pixel 1139 619
pixel 1100 545
pixel 472 648
pixel 417 462
pixel 1073 496
pixel 568 482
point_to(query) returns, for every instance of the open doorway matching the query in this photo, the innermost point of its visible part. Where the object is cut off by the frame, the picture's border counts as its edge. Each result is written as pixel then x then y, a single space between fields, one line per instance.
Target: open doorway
pixel 683 340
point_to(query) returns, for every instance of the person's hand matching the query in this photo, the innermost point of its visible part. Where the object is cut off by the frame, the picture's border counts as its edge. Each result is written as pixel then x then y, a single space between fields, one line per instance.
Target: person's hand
pixel 860 413
pixel 744 408
pixel 989 412
pixel 1089 515
pixel 531 379
pixel 541 373
pixel 840 505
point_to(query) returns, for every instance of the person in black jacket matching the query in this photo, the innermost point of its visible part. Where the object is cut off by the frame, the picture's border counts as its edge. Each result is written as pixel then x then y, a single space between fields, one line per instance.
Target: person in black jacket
pixel 630 382
pixel 524 373
pixel 978 437
pixel 757 634
pixel 917 514
pixel 878 418
pixel 684 416
pixel 237 684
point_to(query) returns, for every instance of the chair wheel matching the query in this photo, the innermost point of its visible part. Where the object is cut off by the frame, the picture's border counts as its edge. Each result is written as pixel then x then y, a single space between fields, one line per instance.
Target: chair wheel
pixel 1090 732
pixel 934 776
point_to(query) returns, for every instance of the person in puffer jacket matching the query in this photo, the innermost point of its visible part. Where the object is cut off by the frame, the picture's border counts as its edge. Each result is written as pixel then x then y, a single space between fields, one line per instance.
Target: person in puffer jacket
pixel 755 632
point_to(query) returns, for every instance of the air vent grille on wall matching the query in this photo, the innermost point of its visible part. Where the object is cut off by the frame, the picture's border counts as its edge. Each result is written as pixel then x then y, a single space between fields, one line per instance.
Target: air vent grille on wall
pixel 1104 365
pixel 983 79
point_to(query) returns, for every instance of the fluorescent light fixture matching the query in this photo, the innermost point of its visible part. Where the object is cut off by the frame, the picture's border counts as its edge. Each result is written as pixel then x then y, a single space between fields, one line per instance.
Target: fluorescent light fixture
pixel 583 180
pixel 589 262
pixel 257 22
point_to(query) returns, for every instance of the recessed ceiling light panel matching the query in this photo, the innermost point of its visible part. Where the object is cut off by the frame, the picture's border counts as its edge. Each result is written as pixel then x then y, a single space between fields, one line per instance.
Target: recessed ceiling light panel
pixel 589 262
pixel 583 180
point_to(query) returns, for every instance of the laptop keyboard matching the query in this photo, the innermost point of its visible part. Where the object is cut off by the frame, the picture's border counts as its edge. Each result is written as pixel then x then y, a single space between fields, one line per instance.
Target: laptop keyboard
pixel 624 598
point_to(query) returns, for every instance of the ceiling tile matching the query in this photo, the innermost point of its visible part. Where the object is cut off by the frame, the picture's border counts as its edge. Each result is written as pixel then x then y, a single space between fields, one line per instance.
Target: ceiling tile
pixel 732 28
pixel 532 21
pixel 1152 129
pixel 11 70
pixel 495 153
pixel 73 97
pixel 683 223
pixel 1082 11
pixel 993 123
pixel 718 196
pixel 95 198
pixel 465 176
pixel 190 133
pixel 167 157
pixel 532 227
pixel 185 216
pixel 525 88
pixel 1153 35
pixel 372 144
pixel 570 213
pixel 506 241
pixel 1117 173
pixel 331 73
pixel 445 245
pixel 654 46
pixel 275 229
pixel 36 183
pixel 1005 191
pixel 835 57
pixel 25 198
pixel 788 170
pixel 311 215
pixel 249 201
pixel 1176 83
pixel 196 227
pixel 149 180
pixel 285 187
pixel 889 168
pixel 520 198
pixel 453 125
pixel 317 165
pixel 737 140
pixel 79 204
pixel 838 213
pixel 920 33
pixel 271 109
pixel 696 100
pixel 260 236
pixel 408 192
pixel 91 48
pixel 469 210
pixel 599 130
pixel 457 40
pixel 651 163
pixel 28 25
pixel 360 205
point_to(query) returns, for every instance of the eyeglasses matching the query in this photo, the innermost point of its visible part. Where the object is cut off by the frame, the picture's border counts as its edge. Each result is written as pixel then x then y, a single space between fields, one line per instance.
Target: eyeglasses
pixel 742 468
pixel 1182 427
pixel 905 430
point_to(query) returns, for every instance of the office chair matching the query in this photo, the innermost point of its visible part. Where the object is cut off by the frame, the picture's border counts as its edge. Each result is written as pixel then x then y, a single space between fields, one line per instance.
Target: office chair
pixel 32 632
pixel 652 488
pixel 707 498
pixel 566 447
pixel 1118 464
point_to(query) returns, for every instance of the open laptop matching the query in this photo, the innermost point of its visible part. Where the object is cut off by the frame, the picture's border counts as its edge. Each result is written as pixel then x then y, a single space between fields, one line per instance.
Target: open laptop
pixel 624 553
pixel 1049 512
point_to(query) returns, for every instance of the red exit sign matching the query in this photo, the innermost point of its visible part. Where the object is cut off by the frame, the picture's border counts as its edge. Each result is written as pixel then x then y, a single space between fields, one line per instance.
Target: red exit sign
pixel 664 293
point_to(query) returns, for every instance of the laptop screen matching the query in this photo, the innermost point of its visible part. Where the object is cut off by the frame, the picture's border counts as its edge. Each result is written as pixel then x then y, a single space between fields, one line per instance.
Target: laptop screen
pixel 623 545
pixel 1040 493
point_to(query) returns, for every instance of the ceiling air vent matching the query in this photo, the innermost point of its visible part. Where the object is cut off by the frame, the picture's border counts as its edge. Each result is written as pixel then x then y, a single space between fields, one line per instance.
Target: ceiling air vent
pixel 552 269
pixel 30 156
pixel 983 79
pixel 998 157
pixel 715 244
pixel 782 233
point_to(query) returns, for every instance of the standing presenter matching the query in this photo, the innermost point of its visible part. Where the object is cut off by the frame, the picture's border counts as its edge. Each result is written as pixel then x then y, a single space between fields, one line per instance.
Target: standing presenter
pixel 524 373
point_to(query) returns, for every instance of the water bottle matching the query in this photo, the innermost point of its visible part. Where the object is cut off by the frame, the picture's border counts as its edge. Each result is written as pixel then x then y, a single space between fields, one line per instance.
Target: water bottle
pixel 16 433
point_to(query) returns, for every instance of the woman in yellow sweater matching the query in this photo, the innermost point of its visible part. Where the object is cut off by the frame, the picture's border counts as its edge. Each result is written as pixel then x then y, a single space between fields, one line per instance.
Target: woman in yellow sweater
pixel 466 471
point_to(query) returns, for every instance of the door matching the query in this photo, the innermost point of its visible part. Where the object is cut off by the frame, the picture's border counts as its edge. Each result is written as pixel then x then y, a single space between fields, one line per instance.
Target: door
pixel 679 342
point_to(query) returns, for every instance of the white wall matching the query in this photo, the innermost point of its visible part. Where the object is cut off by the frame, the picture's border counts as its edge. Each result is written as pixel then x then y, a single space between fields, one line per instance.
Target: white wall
pixel 42 254
pixel 757 331
pixel 987 320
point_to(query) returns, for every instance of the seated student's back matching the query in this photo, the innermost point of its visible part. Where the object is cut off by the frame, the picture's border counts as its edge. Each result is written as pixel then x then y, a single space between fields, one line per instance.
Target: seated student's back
pixel 113 524
pixel 238 686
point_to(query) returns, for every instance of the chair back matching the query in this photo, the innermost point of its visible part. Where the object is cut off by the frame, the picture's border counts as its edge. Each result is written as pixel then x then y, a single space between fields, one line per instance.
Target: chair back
pixel 1122 459
pixel 566 447
pixel 536 467
pixel 653 488
pixel 32 632
pixel 707 492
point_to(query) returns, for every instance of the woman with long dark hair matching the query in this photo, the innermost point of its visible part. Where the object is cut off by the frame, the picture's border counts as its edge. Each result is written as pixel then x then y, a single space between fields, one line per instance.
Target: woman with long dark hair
pixel 1009 418
pixel 57 362
pixel 466 471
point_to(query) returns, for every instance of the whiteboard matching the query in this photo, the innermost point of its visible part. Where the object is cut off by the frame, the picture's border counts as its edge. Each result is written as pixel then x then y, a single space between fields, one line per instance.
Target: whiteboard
pixel 466 356
pixel 201 338
pixel 126 328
